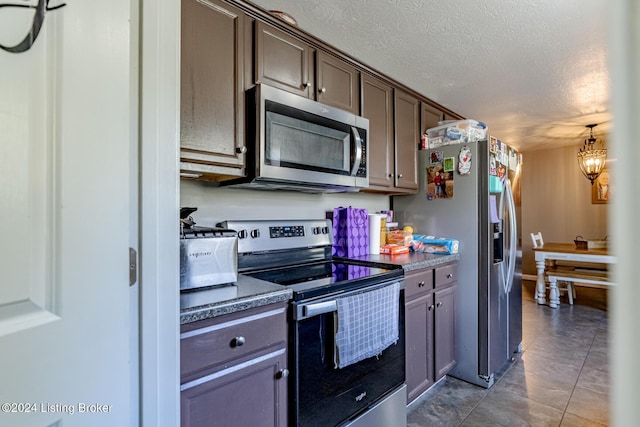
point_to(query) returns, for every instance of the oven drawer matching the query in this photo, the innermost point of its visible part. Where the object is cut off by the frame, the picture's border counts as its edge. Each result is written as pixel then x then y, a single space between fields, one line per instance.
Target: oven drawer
pixel 228 338
pixel 418 282
pixel 445 275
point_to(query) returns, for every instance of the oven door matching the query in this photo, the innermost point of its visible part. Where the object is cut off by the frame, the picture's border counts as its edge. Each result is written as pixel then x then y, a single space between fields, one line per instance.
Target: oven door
pixel 301 140
pixel 323 395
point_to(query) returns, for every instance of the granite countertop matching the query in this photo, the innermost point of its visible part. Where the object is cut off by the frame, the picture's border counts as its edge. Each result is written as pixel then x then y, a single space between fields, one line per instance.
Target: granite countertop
pixel 410 261
pixel 245 293
pixel 248 292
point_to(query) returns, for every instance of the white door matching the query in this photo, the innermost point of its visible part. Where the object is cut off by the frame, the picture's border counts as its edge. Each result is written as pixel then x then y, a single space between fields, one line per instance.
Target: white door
pixel 66 113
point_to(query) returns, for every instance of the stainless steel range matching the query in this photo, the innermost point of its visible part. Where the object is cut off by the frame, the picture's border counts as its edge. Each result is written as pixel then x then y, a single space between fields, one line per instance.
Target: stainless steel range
pixel 346 339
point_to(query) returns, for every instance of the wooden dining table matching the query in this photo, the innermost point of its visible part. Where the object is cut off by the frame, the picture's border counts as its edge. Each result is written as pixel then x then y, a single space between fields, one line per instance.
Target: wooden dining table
pixel 564 252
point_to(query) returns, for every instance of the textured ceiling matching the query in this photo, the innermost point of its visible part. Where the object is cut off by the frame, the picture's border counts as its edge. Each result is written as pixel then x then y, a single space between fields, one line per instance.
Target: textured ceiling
pixel 534 71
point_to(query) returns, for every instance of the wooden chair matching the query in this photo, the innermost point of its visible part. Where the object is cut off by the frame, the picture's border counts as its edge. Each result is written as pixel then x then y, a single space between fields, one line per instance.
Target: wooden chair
pixel 566 286
pixel 537 240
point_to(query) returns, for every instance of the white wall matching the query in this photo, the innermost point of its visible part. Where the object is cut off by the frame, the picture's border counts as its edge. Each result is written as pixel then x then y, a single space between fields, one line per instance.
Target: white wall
pixel 159 269
pixel 217 204
pixel 556 200
pixel 624 313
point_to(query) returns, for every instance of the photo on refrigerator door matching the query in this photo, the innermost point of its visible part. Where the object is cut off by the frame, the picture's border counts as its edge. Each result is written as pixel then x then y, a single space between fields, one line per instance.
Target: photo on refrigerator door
pixel 439 183
pixel 435 157
pixel 448 163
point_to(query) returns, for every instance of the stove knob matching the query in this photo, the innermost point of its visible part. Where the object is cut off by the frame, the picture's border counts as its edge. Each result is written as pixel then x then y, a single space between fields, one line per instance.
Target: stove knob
pixel 242 234
pixel 325 230
pixel 316 230
pixel 255 233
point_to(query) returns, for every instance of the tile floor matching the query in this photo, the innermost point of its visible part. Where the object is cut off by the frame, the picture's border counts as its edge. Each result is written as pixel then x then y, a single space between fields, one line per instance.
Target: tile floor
pixel 560 379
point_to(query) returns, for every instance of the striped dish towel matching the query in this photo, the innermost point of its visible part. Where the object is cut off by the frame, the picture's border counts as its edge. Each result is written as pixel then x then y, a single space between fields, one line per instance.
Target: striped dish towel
pixel 365 324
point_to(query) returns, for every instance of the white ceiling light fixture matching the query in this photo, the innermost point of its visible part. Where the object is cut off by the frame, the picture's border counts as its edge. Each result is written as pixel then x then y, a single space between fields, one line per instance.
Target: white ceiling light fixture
pixel 590 158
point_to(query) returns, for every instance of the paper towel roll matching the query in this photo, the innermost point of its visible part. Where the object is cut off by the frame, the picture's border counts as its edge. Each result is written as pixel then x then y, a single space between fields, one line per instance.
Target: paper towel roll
pixel 375 223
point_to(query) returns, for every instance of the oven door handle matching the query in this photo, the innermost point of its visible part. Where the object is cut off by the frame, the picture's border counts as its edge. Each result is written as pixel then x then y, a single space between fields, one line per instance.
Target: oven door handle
pixel 306 310
pixel 315 309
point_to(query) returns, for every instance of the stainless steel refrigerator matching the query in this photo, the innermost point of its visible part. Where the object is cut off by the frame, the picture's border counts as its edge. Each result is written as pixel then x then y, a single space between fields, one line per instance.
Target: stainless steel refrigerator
pixel 476 200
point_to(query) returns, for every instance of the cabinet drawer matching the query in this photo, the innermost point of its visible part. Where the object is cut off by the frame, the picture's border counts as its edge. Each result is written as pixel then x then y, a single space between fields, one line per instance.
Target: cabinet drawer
pixel 222 342
pixel 445 275
pixel 418 282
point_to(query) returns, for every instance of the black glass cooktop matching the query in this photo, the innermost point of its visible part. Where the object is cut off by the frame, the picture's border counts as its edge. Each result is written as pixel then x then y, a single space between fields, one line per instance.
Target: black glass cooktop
pixel 321 278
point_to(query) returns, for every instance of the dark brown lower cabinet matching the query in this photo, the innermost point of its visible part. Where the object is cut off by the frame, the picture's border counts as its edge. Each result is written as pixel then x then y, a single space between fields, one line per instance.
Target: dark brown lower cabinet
pixel 429 327
pixel 419 339
pixel 234 370
pixel 444 331
pixel 242 395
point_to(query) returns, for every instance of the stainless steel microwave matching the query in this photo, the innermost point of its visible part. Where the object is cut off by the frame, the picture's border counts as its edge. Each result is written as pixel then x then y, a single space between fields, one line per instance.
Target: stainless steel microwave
pixel 295 143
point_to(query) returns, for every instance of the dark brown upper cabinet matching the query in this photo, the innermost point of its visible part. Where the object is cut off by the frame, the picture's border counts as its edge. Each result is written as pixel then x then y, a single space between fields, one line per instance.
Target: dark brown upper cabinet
pixel 337 83
pixel 229 46
pixel 287 62
pixel 407 137
pixel 212 89
pixel 377 106
pixel 283 61
pixel 429 118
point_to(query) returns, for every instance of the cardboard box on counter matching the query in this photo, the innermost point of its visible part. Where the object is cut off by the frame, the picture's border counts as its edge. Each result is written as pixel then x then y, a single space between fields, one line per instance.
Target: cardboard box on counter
pixel 393 249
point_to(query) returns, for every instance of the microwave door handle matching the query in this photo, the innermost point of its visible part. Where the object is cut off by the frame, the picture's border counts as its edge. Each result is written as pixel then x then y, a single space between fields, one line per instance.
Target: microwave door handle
pixel 358 141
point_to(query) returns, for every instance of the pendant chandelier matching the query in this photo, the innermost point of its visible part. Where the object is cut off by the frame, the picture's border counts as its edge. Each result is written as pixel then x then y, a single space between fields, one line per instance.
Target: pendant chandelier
pixel 590 158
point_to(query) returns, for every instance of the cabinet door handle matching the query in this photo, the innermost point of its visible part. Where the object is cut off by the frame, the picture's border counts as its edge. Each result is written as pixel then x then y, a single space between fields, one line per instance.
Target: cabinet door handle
pixel 439 304
pixel 449 276
pixel 238 342
pixel 421 284
pixel 390 175
pixel 306 84
pixel 322 89
pixel 399 175
pixel 430 307
pixel 241 150
pixel 282 373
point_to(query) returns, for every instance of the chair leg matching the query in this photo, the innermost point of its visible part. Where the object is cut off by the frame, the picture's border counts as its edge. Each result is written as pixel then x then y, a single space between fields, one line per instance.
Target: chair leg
pixel 570 292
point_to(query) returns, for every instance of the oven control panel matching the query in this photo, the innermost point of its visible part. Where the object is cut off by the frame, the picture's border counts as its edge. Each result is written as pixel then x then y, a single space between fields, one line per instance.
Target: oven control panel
pixel 269 235
pixel 286 231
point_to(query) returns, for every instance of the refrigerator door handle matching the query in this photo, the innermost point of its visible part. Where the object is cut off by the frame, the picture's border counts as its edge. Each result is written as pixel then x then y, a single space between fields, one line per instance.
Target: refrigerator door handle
pixel 504 267
pixel 513 228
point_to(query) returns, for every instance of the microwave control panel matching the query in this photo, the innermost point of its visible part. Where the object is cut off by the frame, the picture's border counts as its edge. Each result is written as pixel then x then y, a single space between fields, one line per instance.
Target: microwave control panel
pixel 362 169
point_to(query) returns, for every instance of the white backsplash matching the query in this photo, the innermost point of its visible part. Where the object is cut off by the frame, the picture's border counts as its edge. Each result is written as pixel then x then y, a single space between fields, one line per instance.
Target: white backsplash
pixel 217 204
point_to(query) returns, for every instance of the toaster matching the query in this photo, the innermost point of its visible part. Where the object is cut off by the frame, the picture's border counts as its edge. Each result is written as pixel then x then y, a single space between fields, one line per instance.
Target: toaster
pixel 208 255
